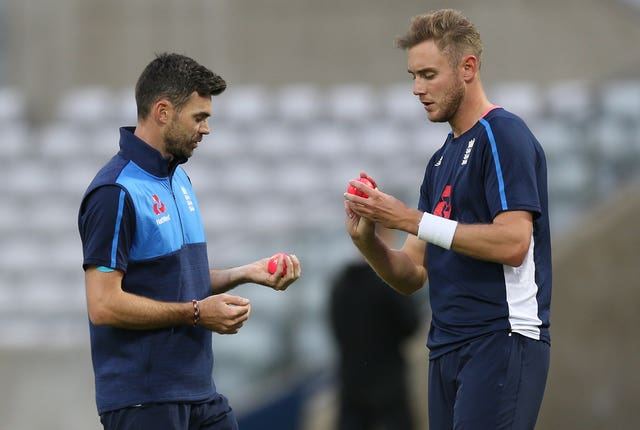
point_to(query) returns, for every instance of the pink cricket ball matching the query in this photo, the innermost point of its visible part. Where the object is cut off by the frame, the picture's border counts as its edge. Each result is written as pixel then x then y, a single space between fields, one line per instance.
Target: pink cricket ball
pixel 273 263
pixel 353 190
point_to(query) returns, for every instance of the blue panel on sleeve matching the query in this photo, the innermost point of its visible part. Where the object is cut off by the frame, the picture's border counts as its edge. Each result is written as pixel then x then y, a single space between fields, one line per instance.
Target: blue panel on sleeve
pixel 496 159
pixel 116 233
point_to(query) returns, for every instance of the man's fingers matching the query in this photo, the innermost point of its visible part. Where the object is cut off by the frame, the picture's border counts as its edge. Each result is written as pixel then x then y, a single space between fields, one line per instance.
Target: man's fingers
pixel 234 323
pixel 238 312
pixel 364 175
pixel 294 263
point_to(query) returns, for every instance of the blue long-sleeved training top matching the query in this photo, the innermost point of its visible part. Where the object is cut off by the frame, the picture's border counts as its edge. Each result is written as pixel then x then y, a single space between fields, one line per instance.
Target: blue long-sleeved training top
pixel 140 215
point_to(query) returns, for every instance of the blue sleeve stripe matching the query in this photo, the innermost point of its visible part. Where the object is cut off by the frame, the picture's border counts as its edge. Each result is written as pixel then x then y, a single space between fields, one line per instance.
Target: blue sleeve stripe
pixel 116 233
pixel 496 160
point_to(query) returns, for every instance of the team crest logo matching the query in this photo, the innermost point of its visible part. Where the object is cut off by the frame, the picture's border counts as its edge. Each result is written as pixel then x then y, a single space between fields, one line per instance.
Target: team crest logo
pixel 188 199
pixel 158 206
pixel 443 208
pixel 467 153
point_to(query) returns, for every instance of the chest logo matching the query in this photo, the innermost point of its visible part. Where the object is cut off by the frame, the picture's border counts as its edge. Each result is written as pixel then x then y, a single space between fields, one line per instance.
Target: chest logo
pixel 443 208
pixel 467 153
pixel 158 206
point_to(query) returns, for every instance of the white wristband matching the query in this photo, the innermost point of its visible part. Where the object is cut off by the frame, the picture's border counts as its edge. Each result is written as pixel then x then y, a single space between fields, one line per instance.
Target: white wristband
pixel 437 230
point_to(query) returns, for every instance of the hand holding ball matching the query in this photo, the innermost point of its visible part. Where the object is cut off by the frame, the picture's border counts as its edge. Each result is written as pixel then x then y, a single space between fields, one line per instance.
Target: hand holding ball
pixel 353 190
pixel 273 263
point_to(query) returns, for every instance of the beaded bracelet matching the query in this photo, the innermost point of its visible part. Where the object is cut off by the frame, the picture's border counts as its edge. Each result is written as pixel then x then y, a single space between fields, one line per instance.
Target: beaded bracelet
pixel 196 312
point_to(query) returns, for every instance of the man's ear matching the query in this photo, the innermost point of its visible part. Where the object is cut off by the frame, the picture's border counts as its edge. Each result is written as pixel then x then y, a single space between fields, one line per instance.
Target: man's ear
pixel 470 67
pixel 162 110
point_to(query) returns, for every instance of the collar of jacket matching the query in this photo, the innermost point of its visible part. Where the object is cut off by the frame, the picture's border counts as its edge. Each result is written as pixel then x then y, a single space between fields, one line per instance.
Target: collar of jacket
pixel 144 155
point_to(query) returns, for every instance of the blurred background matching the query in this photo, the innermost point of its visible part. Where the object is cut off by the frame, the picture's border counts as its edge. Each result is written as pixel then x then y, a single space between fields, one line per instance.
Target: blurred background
pixel 317 92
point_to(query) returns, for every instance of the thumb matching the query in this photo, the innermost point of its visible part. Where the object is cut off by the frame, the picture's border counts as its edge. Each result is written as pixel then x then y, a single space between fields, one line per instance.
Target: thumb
pixel 235 300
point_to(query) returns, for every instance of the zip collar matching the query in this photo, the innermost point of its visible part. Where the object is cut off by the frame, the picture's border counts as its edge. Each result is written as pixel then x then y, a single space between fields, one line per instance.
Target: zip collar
pixel 144 155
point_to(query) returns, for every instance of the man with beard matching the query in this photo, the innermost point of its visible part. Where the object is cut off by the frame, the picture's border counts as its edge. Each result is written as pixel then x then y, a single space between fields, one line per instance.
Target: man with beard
pixel 480 236
pixel 153 301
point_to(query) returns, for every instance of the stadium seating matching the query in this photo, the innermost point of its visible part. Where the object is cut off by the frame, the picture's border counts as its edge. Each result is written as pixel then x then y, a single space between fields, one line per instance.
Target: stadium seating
pixel 270 178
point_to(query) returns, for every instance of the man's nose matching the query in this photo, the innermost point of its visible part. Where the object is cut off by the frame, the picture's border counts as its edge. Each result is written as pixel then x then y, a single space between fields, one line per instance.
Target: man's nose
pixel 204 127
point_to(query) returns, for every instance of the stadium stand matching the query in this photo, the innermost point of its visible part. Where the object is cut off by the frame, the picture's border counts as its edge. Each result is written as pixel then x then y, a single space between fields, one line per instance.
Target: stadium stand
pixel 271 178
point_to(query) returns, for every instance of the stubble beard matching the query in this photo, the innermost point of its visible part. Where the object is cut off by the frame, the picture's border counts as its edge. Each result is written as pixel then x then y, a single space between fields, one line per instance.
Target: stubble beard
pixel 450 103
pixel 177 143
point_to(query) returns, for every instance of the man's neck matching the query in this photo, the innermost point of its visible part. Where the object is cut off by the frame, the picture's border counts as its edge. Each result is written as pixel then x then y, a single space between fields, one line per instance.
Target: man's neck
pixel 151 137
pixel 474 106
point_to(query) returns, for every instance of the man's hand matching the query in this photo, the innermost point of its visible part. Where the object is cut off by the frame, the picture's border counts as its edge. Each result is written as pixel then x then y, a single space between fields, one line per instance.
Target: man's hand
pixel 258 272
pixel 402 269
pixel 377 208
pixel 279 280
pixel 224 313
pixel 360 229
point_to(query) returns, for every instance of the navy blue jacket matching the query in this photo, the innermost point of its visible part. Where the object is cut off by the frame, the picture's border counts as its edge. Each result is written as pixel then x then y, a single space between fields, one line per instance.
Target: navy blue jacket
pixel 140 216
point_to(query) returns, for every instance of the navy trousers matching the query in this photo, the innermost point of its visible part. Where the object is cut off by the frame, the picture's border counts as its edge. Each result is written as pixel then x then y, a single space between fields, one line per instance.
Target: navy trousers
pixel 494 382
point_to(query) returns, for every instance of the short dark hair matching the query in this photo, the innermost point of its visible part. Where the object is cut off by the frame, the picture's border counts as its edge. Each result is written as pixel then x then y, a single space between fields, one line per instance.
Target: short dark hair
pixel 174 77
pixel 452 32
